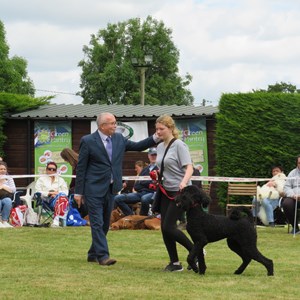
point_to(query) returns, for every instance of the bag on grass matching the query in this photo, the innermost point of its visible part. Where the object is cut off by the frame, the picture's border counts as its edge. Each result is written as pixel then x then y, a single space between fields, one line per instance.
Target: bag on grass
pixel 17 215
pixel 30 217
pixel 74 218
pixel 61 205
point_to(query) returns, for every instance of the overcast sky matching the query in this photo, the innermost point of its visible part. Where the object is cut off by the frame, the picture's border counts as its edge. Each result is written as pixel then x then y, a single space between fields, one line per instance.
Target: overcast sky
pixel 228 46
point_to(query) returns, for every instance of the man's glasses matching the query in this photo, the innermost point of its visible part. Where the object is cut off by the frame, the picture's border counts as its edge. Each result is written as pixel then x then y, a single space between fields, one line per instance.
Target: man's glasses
pixel 110 123
pixel 51 169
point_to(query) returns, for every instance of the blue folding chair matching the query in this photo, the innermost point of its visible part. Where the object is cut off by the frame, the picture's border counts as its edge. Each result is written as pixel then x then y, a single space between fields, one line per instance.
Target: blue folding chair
pixel 44 209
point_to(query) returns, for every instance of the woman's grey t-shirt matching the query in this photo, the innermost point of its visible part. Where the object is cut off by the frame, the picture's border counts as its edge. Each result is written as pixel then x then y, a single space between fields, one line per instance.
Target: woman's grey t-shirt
pixel 177 158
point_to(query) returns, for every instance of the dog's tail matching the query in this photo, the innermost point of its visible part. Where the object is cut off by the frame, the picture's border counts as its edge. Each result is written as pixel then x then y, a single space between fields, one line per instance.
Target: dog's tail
pixel 241 212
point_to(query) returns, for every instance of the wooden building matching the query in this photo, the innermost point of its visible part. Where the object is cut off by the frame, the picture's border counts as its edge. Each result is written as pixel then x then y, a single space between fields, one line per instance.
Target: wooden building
pixel 19 129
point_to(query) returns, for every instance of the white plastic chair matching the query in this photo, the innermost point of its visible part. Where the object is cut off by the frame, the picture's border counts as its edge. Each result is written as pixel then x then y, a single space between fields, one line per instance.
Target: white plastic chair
pixel 27 198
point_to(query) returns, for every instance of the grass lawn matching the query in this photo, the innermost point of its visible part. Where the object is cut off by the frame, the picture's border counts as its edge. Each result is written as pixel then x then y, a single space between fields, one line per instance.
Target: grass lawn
pixel 50 263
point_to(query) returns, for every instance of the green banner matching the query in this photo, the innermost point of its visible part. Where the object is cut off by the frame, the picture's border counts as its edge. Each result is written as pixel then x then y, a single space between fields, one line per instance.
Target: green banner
pixel 49 140
pixel 193 133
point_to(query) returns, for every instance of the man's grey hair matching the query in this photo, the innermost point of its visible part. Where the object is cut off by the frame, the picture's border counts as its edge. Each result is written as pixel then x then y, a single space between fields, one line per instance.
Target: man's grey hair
pixel 102 118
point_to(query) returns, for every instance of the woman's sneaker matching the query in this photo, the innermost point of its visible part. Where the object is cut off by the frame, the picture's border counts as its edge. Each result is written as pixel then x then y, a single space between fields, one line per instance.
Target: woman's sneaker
pixel 6 225
pixel 171 267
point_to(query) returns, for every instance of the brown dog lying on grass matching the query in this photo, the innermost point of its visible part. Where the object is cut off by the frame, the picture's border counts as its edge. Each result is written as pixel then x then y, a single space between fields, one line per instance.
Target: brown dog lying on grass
pixel 205 228
pixel 136 222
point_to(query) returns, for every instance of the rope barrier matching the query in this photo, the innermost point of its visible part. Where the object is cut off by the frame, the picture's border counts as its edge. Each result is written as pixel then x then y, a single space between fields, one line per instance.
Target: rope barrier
pixel 196 178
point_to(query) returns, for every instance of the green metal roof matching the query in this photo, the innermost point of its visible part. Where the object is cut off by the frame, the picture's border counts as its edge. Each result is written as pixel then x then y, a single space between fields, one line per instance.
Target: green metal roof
pixel 91 111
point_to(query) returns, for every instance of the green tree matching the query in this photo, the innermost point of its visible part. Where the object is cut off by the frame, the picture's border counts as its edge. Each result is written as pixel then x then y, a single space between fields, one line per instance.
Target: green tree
pixel 108 76
pixel 255 131
pixel 13 103
pixel 281 87
pixel 13 73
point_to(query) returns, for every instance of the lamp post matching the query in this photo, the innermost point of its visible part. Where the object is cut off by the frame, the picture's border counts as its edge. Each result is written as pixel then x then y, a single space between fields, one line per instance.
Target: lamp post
pixel 143 66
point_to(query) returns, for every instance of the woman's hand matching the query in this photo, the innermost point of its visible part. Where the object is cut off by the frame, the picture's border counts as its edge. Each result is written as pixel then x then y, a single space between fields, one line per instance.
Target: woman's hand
pixel 52 194
pixel 182 185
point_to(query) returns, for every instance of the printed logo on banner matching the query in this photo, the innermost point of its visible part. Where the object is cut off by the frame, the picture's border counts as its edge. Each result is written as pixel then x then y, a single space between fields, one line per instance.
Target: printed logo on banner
pixel 125 130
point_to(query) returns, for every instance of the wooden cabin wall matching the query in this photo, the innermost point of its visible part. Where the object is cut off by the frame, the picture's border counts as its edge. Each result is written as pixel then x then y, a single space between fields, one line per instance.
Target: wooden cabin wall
pixel 19 150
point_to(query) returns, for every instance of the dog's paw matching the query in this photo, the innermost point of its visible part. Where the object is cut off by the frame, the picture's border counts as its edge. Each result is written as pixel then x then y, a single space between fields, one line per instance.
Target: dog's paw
pixel 202 269
pixel 192 264
pixel 195 268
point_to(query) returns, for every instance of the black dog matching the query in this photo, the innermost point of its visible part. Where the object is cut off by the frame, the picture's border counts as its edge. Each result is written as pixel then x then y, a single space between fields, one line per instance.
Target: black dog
pixel 205 228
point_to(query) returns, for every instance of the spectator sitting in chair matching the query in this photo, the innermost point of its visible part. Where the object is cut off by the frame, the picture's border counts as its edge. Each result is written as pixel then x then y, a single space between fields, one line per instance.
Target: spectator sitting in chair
pixel 292 198
pixel 51 187
pixel 268 196
pixel 7 188
pixel 142 190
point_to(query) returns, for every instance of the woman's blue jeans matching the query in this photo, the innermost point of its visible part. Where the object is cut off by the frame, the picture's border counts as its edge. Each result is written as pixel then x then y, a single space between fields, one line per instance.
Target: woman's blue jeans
pixel 5 208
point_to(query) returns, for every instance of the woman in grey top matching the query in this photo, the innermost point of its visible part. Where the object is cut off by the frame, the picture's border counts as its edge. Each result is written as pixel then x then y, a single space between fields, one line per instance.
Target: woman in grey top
pixel 177 172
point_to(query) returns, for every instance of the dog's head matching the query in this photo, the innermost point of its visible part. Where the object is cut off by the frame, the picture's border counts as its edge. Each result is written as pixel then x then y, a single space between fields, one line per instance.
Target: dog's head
pixel 192 196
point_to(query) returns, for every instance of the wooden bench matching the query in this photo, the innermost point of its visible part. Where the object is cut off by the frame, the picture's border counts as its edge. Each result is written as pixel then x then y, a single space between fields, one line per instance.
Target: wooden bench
pixel 206 186
pixel 240 189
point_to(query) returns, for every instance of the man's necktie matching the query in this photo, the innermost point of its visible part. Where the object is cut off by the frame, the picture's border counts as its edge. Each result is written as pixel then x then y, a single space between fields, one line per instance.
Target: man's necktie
pixel 109 147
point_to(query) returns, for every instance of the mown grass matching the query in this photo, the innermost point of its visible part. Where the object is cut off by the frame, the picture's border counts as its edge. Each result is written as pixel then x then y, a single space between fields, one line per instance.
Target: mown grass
pixel 50 263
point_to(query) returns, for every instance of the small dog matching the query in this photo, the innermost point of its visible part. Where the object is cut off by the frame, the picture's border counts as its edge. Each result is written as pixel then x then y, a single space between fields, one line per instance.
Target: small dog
pixel 204 228
pixel 273 189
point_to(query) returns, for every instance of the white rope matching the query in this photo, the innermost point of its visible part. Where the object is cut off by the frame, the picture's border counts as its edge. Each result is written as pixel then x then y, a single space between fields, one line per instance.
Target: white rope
pixel 196 178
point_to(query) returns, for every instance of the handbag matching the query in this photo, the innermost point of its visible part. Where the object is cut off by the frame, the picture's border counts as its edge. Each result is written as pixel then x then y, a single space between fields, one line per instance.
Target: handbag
pixel 5 194
pixel 155 207
pixel 74 218
pixel 30 217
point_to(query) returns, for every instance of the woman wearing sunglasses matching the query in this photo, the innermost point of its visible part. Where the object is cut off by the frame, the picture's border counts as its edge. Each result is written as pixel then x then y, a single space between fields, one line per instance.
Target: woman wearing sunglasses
pixel 50 188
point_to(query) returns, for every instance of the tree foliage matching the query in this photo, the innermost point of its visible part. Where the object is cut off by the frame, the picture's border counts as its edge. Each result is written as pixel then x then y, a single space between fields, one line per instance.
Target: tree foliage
pixel 108 76
pixel 13 73
pixel 255 131
pixel 13 103
pixel 281 87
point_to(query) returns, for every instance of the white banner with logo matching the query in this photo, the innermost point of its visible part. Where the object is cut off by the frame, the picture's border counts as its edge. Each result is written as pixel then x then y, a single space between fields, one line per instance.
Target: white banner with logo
pixel 135 131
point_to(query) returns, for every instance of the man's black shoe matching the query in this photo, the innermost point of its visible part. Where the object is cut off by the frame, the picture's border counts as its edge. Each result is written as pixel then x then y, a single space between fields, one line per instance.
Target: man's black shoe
pixel 93 260
pixel 107 262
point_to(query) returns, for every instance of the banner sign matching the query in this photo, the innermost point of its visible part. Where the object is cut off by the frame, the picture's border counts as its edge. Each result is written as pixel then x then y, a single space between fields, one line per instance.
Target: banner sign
pixel 193 133
pixel 135 131
pixel 49 140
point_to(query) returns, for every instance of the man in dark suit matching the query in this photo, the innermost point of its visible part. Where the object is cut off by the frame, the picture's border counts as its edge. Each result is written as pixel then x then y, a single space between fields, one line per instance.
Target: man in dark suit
pixel 99 178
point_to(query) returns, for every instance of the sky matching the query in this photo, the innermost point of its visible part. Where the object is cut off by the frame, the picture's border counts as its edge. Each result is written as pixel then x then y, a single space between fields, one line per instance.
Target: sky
pixel 228 46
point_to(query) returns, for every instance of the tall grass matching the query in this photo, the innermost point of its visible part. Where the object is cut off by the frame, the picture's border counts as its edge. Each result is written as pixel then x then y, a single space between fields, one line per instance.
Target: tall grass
pixel 50 263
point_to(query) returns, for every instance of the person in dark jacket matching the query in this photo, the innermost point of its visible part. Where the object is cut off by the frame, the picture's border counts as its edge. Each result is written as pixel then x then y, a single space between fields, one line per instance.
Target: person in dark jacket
pixel 143 190
pixel 99 178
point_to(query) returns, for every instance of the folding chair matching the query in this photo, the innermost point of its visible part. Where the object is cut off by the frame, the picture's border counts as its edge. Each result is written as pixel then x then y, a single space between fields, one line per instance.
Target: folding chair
pixel 240 189
pixel 206 186
pixel 16 201
pixel 28 197
pixel 43 210
pixel 48 211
